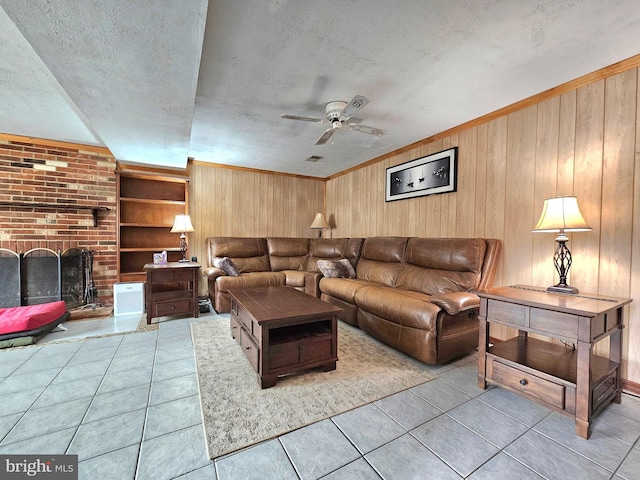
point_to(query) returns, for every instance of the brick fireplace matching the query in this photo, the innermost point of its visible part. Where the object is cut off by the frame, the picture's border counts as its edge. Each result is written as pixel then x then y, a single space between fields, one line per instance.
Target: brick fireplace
pixel 65 183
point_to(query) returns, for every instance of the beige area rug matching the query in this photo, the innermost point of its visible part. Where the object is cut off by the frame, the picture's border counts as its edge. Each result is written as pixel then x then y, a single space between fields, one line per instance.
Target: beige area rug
pixel 237 413
pixel 144 327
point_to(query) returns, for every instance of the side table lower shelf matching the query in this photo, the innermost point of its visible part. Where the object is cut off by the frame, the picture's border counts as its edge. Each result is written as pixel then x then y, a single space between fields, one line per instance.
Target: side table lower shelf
pixel 547 373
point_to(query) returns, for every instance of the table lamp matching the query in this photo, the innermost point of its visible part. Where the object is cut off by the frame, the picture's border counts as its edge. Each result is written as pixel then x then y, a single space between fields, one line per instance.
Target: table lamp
pixel 182 224
pixel 562 214
pixel 319 222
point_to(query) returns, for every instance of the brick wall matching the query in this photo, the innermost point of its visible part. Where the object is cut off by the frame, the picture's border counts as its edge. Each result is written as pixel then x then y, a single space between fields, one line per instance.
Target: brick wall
pixel 60 174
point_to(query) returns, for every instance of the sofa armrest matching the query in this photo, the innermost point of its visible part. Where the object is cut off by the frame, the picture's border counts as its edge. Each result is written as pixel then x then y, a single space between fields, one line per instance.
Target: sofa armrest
pixel 212 273
pixel 456 302
pixel 312 283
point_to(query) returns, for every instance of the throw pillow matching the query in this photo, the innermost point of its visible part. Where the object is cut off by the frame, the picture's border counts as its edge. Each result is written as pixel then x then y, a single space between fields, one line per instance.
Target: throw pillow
pixel 227 266
pixel 336 268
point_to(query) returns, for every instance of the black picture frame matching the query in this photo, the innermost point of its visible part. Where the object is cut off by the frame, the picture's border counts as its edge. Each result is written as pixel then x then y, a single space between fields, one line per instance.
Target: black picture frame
pixel 430 175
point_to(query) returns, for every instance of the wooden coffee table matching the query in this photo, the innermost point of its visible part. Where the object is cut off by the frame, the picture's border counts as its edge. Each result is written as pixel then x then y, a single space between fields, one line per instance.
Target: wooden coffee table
pixel 282 330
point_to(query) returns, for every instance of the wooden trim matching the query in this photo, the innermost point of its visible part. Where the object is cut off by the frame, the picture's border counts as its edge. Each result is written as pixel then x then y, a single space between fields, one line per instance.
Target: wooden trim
pixel 157 173
pixel 144 169
pixel 631 387
pixel 574 84
pixel 253 170
pixel 56 143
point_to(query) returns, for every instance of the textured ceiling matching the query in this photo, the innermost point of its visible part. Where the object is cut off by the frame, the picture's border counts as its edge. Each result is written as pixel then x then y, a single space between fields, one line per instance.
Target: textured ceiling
pixel 157 82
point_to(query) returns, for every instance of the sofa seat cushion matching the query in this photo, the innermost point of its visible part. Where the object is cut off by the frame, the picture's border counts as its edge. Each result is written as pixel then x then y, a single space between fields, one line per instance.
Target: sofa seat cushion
pixel 402 307
pixel 342 288
pixel 294 278
pixel 250 280
pixel 417 342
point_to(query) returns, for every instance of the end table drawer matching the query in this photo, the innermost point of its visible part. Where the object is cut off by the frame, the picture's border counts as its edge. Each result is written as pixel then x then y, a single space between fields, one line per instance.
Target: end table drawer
pixel 172 275
pixel 173 308
pixel 235 328
pixel 531 385
pixel 245 320
pixel 507 313
pixel 250 349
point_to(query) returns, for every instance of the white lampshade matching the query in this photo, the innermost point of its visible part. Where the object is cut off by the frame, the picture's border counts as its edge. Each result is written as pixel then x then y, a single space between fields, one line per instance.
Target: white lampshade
pixel 561 214
pixel 182 224
pixel 319 222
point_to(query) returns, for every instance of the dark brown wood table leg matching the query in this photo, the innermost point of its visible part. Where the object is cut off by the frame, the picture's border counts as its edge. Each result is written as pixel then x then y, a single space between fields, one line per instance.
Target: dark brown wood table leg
pixel 329 366
pixel 583 394
pixel 267 381
pixel 482 350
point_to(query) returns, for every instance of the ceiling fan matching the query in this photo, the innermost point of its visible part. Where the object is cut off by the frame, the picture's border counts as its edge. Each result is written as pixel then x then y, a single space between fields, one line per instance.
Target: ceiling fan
pixel 337 113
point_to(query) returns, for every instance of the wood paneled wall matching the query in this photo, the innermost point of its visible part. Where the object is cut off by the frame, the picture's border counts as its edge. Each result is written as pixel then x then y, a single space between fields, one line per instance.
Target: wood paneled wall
pixel 245 203
pixel 583 142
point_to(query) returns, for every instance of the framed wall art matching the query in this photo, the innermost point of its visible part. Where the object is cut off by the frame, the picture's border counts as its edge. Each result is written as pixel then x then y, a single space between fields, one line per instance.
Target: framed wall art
pixel 435 173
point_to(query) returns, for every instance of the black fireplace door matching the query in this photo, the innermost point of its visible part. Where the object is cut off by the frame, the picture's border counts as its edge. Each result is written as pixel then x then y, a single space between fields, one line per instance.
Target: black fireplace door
pixel 9 279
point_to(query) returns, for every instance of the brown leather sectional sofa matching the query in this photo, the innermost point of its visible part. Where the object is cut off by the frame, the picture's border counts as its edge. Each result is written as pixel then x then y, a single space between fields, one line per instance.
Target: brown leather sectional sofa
pixel 414 294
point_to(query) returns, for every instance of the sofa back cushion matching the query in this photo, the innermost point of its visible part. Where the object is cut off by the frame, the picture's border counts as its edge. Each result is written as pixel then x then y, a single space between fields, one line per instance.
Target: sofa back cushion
pixel 381 259
pixel 354 250
pixel 248 254
pixel 325 249
pixel 288 253
pixel 442 265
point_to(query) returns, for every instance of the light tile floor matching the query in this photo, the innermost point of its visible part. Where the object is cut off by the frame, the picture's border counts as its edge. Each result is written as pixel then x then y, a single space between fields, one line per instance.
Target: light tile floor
pixel 128 405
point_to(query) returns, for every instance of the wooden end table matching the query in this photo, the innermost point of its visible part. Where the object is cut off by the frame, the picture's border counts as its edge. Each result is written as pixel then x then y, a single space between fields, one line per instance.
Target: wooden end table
pixel 569 377
pixel 282 330
pixel 171 289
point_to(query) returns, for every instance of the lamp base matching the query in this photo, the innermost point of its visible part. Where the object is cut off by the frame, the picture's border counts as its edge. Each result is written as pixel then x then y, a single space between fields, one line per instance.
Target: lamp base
pixel 563 288
pixel 183 260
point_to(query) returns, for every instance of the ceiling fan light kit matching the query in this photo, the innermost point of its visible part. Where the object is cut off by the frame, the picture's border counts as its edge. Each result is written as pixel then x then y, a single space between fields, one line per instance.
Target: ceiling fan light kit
pixel 337 112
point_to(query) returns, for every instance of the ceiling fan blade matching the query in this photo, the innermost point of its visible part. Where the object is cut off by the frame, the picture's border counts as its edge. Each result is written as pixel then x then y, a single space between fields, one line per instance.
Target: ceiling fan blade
pixel 353 106
pixel 304 119
pixel 328 133
pixel 364 129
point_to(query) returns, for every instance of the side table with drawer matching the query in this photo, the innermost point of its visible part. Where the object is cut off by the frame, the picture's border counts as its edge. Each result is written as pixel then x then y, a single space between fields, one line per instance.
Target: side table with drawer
pixel 171 289
pixel 566 376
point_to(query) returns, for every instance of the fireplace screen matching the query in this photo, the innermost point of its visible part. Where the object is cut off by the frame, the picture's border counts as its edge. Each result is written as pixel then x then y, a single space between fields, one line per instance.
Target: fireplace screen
pixel 72 277
pixel 9 278
pixel 40 276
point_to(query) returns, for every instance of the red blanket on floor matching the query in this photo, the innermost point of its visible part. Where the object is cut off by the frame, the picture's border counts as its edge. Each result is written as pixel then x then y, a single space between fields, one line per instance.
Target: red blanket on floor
pixel 30 317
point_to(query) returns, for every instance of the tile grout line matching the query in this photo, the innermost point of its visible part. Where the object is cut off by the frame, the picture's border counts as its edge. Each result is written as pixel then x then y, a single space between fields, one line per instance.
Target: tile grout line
pixel 40 395
pixel 93 398
pixel 146 413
